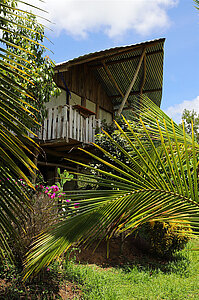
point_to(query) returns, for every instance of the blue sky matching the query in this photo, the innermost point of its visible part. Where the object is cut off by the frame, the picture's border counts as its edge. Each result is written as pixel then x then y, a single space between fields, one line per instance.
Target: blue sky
pixel 84 26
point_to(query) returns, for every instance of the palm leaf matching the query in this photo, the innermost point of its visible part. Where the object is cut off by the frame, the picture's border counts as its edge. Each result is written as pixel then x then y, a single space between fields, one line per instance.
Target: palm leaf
pixel 17 121
pixel 168 189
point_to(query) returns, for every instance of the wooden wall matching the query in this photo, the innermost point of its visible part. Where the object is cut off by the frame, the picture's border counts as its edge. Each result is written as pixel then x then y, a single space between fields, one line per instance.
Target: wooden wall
pixel 81 80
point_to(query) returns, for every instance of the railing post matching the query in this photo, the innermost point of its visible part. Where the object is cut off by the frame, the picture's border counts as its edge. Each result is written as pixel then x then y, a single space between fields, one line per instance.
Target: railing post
pixel 65 123
pixel 70 122
pixel 49 123
pixel 59 122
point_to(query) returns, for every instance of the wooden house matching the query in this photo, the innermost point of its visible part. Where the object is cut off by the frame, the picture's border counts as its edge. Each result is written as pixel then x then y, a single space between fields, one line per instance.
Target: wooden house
pixel 95 87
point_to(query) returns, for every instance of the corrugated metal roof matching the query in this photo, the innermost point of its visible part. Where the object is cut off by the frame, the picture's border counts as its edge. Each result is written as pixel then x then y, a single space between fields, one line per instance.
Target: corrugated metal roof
pixel 122 62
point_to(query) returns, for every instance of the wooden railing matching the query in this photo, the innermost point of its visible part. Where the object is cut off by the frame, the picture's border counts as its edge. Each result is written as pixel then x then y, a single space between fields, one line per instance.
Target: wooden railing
pixel 65 122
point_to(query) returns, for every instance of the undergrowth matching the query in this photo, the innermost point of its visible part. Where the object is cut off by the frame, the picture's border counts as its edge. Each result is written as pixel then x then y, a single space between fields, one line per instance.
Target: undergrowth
pixel 144 278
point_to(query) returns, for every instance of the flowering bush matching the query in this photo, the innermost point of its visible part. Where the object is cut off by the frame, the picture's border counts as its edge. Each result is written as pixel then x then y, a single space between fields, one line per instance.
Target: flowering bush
pixel 53 192
pixel 56 191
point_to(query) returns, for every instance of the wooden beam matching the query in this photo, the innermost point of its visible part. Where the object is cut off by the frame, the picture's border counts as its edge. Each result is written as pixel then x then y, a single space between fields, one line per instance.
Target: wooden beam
pixel 46 164
pixel 132 83
pixel 112 78
pixel 35 161
pixel 98 102
pixel 74 156
pixel 122 60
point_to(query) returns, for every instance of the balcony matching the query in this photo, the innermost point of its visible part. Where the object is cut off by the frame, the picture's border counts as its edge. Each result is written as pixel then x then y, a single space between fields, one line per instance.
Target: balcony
pixel 69 123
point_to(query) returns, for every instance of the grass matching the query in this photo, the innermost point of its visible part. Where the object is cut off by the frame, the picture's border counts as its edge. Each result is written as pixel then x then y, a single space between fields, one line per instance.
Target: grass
pixel 177 279
pixel 147 278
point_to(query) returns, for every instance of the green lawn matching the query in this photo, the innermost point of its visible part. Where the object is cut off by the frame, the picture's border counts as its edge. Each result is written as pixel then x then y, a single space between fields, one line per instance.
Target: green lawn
pixel 174 280
pixel 145 278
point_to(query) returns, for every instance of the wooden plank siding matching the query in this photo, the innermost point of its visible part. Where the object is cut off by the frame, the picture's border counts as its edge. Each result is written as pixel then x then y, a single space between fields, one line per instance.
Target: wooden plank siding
pixel 81 80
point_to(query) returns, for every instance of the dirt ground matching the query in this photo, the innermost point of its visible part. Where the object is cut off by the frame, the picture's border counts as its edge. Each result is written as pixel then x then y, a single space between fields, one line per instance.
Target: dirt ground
pixel 115 253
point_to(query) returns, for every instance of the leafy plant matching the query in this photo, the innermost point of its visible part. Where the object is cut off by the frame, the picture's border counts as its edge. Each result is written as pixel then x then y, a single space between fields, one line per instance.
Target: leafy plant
pixel 16 121
pixel 190 117
pixel 64 177
pixel 161 185
pixel 29 36
pixel 165 238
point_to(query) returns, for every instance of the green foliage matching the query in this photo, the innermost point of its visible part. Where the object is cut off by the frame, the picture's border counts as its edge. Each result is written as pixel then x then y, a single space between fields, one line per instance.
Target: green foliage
pixel 44 287
pixel 190 117
pixel 29 36
pixel 161 185
pixel 142 279
pixel 63 177
pixel 197 4
pixel 44 201
pixel 165 238
pixel 16 121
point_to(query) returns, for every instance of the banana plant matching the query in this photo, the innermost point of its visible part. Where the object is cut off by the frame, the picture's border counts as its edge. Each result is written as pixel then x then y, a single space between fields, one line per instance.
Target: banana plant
pixel 16 121
pixel 159 184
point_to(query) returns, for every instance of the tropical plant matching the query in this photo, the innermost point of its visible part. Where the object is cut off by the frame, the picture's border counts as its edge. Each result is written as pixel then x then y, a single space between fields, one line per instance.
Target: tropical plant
pixel 163 239
pixel 190 117
pixel 160 184
pixel 16 119
pixel 197 4
pixel 41 68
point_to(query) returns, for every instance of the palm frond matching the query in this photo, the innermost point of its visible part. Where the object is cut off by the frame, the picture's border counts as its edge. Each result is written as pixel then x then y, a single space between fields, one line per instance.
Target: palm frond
pixel 163 187
pixel 17 120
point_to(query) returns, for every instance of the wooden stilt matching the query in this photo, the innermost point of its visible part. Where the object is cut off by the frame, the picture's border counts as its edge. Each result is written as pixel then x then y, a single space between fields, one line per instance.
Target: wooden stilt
pixel 35 161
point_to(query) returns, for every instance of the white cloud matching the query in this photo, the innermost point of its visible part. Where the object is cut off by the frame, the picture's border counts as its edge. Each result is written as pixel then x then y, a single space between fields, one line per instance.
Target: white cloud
pixel 175 111
pixel 80 17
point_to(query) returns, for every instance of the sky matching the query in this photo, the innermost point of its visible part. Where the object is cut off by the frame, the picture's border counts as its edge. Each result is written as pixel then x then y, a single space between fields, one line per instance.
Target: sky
pixel 82 26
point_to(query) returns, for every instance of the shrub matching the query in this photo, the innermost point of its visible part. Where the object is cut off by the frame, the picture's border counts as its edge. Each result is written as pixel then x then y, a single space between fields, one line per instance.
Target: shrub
pixel 165 238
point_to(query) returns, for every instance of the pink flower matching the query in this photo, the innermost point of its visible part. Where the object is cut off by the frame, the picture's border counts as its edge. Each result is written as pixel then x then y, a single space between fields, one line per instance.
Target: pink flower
pixel 41 186
pixel 8 179
pixel 68 200
pixel 46 191
pixel 36 186
pixel 76 205
pixel 53 196
pixel 55 188
pixel 48 269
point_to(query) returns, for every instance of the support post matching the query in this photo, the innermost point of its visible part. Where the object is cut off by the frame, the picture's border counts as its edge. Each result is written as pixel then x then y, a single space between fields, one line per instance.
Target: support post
pixel 132 83
pixel 98 101
pixel 35 161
